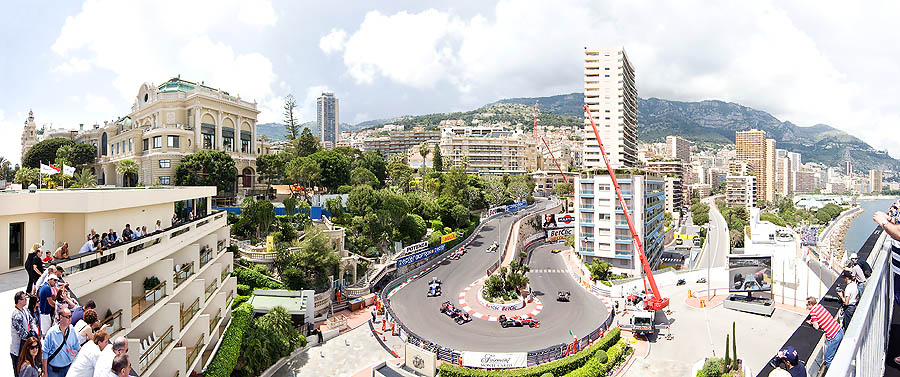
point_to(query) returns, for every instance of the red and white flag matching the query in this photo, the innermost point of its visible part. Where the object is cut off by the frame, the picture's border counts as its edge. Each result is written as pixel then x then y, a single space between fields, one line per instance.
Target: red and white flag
pixel 49 169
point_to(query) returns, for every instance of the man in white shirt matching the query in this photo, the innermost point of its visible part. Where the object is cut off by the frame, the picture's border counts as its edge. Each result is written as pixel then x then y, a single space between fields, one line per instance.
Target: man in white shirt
pixel 91 245
pixel 121 367
pixel 84 363
pixel 105 361
pixel 850 297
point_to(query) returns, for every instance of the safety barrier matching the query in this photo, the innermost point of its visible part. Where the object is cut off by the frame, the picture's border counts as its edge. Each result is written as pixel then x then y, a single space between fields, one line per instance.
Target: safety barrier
pixel 453 356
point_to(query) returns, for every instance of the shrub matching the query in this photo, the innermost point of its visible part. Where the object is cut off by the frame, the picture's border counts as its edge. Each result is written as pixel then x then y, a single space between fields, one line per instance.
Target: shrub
pixel 151 282
pixel 238 300
pixel 244 290
pixel 255 279
pixel 712 367
pixel 548 374
pixel 224 361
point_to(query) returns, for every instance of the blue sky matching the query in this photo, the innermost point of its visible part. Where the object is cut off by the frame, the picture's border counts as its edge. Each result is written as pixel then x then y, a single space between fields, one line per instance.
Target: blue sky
pixel 806 61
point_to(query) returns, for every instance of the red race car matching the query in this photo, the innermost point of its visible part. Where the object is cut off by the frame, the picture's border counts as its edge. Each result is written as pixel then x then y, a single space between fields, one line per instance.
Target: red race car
pixel 456 314
pixel 517 321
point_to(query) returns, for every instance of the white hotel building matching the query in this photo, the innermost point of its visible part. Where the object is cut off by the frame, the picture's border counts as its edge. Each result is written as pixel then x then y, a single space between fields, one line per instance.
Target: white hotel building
pixel 611 94
pixel 172 328
pixel 602 230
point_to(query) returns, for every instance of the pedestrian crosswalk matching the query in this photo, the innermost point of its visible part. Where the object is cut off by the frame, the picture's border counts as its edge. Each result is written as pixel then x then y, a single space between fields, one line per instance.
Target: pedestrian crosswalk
pixel 548 271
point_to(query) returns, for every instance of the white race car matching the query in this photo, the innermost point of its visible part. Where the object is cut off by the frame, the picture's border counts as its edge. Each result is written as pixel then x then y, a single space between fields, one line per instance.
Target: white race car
pixel 494 246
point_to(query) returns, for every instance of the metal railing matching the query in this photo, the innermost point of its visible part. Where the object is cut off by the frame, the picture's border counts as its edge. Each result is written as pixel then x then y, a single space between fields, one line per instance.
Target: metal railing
pixel 184 273
pixel 215 320
pixel 113 323
pixel 211 288
pixel 863 350
pixel 205 257
pixel 152 353
pixel 195 351
pixel 150 298
pixel 225 273
pixel 187 314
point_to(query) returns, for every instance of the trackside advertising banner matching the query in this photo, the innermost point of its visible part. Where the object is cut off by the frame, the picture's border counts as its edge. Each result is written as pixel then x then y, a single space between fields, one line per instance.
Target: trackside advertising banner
pixel 421 255
pixel 492 360
pixel 559 234
pixel 496 210
pixel 516 206
pixel 448 237
pixel 415 247
pixel 559 220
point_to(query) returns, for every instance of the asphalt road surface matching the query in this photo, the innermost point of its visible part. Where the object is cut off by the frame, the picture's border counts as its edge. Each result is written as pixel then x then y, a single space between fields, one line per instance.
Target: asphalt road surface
pixel 422 315
pixel 718 244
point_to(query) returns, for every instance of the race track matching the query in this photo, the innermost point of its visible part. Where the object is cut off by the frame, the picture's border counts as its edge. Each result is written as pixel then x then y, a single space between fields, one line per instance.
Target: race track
pixel 548 275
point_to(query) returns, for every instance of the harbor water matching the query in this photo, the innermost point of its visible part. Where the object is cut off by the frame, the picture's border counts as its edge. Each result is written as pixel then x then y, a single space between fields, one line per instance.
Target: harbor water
pixel 862 226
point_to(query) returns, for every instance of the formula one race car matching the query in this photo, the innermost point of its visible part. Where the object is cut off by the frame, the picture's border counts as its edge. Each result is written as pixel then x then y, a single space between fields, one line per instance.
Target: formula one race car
pixel 434 288
pixel 563 296
pixel 457 254
pixel 517 321
pixel 456 314
pixel 494 246
pixel 555 251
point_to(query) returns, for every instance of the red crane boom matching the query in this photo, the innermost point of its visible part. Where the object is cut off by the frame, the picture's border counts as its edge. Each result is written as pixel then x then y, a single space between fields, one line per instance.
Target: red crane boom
pixel 657 302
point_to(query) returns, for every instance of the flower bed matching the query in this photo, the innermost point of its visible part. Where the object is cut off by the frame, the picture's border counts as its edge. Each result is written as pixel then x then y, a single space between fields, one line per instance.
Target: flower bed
pixel 502 306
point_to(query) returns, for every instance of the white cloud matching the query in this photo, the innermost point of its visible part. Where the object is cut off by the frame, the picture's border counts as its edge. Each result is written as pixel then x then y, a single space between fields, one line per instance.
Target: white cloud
pixel 10 138
pixel 780 58
pixel 333 41
pixel 150 42
pixel 306 108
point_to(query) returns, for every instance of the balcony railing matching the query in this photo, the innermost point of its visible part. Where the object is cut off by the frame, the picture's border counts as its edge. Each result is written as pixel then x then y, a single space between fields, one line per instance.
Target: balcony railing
pixel 258 256
pixel 193 352
pixel 152 353
pixel 210 289
pixel 221 245
pixel 113 323
pixel 140 304
pixel 189 313
pixel 184 273
pixel 215 320
pixel 205 257
pixel 225 273
pixel 229 297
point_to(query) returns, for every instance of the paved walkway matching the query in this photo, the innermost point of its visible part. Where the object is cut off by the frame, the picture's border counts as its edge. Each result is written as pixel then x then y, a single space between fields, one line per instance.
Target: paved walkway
pixel 352 353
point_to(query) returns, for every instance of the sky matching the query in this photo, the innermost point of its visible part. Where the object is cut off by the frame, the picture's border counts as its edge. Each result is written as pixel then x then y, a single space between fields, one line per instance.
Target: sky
pixel 804 61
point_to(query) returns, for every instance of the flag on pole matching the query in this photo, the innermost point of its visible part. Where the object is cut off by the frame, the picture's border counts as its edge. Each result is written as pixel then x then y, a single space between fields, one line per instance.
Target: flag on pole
pixel 68 170
pixel 49 169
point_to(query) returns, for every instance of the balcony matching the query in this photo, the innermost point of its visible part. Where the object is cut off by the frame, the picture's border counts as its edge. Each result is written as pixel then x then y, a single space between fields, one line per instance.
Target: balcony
pixel 215 320
pixel 184 273
pixel 588 206
pixel 150 354
pixel 193 352
pixel 258 256
pixel 225 273
pixel 211 288
pixel 140 304
pixel 622 225
pixel 113 323
pixel 187 314
pixel 205 256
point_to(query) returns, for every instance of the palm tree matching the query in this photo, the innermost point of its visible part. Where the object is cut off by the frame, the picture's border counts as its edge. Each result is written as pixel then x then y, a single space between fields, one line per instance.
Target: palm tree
pixel 129 170
pixel 424 150
pixel 85 179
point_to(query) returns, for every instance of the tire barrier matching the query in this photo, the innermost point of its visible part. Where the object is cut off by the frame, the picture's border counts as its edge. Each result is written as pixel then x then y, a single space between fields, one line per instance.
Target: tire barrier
pixel 450 355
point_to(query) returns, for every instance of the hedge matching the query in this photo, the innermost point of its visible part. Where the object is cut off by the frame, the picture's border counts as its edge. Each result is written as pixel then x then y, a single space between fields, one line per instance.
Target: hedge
pixel 226 358
pixel 244 290
pixel 602 362
pixel 557 367
pixel 254 279
pixel 238 300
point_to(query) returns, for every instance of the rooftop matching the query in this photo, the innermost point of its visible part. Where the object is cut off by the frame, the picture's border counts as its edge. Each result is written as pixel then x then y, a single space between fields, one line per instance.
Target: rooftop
pixel 14 202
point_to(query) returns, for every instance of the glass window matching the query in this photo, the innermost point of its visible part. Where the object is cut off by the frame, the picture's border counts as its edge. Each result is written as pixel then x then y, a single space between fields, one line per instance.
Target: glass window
pixel 173 141
pixel 146 144
pixel 245 146
pixel 130 144
pixel 164 180
pixel 157 142
pixel 228 143
pixel 165 163
pixel 208 141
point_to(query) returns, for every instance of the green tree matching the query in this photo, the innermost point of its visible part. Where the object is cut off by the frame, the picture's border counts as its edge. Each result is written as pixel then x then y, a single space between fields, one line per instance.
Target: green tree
pixel 290 206
pixel 26 176
pixel 700 218
pixel 260 214
pixel 335 168
pixel 129 170
pixel 207 168
pixel 599 270
pixel 335 207
pixel 412 228
pixel 303 171
pixel 307 144
pixel 563 189
pixel 44 151
pixel 400 174
pixel 494 193
pixel 77 155
pixel 271 167
pixel 7 171
pixel 374 163
pixel 361 200
pixel 394 206
pixel 520 189
pixel 423 151
pixel 85 179
pixel 291 124
pixel 362 176
pixel 460 216
pixel 437 161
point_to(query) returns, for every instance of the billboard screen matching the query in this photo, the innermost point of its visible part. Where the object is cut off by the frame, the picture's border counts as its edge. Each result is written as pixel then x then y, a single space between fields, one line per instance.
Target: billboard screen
pixel 558 220
pixel 558 234
pixel 749 273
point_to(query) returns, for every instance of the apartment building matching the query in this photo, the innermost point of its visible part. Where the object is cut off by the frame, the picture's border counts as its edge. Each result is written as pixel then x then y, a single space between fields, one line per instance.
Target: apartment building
pixel 494 151
pixel 770 170
pixel 784 176
pixel 166 123
pixel 545 181
pixel 875 180
pixel 740 191
pixel 674 195
pixel 848 167
pixel 678 147
pixel 673 167
pixel 394 142
pixel 611 95
pixel 173 326
pixel 602 231
pixel 328 120
pixel 804 182
pixel 701 189
pixel 752 147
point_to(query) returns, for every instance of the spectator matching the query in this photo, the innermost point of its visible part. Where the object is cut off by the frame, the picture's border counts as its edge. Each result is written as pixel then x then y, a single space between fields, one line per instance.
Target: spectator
pixel 127 233
pixel 87 326
pixel 144 231
pixel 174 219
pixel 158 225
pixel 47 302
pixel 29 359
pixel 62 252
pixel 820 319
pixel 892 229
pixel 121 367
pixel 105 361
pixel 60 347
pixel 34 267
pixel 63 301
pixel 43 278
pixel 35 314
pixel 113 238
pixel 779 373
pixel 789 359
pixel 84 363
pixel 78 313
pixel 859 269
pixel 91 245
pixel 91 234
pixel 23 327
pixel 849 296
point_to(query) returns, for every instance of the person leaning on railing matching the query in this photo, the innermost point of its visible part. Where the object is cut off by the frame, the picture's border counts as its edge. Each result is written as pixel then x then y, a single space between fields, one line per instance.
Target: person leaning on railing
pixel 892 228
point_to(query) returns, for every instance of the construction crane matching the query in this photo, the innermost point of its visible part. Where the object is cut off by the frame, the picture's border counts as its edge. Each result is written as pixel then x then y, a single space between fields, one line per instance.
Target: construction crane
pixel 547 146
pixel 653 300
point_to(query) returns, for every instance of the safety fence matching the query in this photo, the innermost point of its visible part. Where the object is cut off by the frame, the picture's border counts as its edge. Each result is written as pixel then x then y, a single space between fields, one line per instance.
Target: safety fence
pixel 454 356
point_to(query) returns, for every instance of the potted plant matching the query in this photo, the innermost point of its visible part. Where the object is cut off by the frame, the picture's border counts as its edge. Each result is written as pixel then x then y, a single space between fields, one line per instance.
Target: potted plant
pixel 150 283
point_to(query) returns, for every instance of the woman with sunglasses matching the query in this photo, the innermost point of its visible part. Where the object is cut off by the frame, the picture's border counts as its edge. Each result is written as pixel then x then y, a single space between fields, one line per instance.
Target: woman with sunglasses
pixel 29 359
